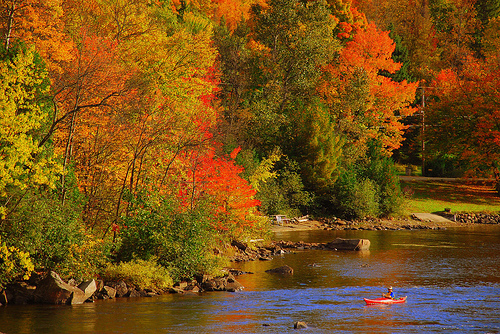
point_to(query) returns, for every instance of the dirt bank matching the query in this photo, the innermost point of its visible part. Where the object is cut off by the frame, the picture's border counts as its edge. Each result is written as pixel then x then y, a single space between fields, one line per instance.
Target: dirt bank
pixel 368 224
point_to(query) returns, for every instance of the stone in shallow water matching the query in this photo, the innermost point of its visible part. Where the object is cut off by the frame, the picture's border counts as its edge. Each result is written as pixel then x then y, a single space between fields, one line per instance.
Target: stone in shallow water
pixel 299 325
pixel 281 270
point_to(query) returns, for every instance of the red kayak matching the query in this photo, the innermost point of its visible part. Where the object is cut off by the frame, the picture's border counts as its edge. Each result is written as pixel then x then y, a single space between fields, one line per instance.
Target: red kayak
pixel 384 301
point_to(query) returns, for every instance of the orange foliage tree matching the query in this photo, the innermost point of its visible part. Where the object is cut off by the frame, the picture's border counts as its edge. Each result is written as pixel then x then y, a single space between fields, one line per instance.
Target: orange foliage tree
pixel 463 117
pixel 365 104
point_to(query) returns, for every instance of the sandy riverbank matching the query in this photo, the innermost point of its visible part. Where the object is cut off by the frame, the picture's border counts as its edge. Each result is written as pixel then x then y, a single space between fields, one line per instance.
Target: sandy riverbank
pixel 425 222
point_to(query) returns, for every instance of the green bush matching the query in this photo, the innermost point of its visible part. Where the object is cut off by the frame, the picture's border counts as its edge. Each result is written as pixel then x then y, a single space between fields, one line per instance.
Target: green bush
pixel 183 242
pixel 55 236
pixel 356 198
pixel 383 172
pixel 445 165
pixel 46 228
pixel 369 188
pixel 284 194
pixel 139 273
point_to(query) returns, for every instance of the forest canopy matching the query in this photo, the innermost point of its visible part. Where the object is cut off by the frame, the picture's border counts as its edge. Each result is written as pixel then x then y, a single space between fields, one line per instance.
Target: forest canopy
pixel 160 130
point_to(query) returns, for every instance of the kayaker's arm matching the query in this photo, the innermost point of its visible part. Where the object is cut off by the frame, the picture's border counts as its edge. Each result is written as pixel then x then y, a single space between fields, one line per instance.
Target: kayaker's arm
pixel 389 295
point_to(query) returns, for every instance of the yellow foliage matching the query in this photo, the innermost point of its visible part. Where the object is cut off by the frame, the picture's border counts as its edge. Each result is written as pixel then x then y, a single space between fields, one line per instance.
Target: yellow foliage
pixel 86 259
pixel 14 264
pixel 20 116
pixel 140 273
pixel 264 170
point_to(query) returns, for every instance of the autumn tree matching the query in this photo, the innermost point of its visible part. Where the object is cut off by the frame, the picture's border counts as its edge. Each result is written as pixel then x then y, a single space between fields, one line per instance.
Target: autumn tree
pixel 24 108
pixel 366 108
pixel 365 104
pixel 39 23
pixel 294 39
pixel 463 116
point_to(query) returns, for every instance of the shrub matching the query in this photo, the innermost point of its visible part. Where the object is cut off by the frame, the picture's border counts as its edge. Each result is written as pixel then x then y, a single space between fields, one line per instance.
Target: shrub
pixel 356 198
pixel 85 259
pixel 445 165
pixel 55 236
pixel 14 264
pixel 139 273
pixel 183 242
pixel 369 187
pixel 383 172
pixel 46 228
pixel 284 194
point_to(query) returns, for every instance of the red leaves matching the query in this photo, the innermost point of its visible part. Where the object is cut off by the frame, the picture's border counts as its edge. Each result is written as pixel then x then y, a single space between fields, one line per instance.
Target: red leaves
pixel 465 116
pixel 235 152
pixel 217 179
pixel 371 49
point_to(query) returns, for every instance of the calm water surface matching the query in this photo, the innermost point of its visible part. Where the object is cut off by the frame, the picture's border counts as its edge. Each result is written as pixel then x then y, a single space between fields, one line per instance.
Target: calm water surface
pixel 451 278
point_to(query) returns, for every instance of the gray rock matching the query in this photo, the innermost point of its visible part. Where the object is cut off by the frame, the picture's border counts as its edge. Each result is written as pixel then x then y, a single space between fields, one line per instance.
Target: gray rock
pixel 181 285
pixel 225 283
pixel 121 289
pixel 215 284
pixel 107 292
pixel 175 290
pixel 349 244
pixel 284 270
pixel 232 285
pixel 53 290
pixel 137 293
pixel 18 294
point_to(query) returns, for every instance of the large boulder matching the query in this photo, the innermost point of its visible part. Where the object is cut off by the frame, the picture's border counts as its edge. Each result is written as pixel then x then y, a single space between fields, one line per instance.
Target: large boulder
pixel 18 293
pixel 121 289
pixel 53 290
pixel 283 270
pixel 349 244
pixel 88 287
pixel 232 284
pixel 106 292
pixel 214 284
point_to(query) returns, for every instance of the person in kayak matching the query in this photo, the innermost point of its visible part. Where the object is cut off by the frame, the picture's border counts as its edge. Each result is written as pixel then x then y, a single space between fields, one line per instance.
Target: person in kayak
pixel 389 293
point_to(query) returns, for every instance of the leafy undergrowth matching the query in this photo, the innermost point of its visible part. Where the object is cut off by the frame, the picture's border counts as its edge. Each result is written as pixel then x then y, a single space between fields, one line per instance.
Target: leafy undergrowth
pixel 460 195
pixel 139 273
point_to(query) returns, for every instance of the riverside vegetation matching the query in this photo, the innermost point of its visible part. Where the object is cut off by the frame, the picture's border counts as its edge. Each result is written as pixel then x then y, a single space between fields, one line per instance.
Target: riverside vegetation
pixel 138 139
pixel 139 278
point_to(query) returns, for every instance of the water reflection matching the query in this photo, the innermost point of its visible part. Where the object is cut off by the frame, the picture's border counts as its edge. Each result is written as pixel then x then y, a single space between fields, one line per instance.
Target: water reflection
pixel 451 278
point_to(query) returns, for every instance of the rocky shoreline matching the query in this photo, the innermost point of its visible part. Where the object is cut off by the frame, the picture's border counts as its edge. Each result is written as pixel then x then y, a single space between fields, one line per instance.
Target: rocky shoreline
pixel 407 223
pixel 337 224
pixel 51 289
pixel 475 218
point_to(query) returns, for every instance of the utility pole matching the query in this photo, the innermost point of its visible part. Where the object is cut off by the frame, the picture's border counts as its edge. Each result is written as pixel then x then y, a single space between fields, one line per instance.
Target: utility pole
pixel 423 130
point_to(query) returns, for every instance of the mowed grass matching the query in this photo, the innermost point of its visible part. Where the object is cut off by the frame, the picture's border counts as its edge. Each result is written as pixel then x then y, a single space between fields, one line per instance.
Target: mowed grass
pixel 459 195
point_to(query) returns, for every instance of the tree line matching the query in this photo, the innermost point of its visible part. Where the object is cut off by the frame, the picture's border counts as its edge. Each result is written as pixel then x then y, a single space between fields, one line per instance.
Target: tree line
pixel 160 130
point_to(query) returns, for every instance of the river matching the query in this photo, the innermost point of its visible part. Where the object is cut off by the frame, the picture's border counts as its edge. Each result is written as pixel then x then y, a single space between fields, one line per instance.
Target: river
pixel 451 278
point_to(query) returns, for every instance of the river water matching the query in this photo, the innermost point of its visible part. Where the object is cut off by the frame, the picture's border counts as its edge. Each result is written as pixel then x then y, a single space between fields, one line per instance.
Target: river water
pixel 451 278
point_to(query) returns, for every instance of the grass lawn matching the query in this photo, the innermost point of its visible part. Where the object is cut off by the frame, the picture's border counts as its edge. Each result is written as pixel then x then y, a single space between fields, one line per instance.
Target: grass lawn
pixel 459 195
